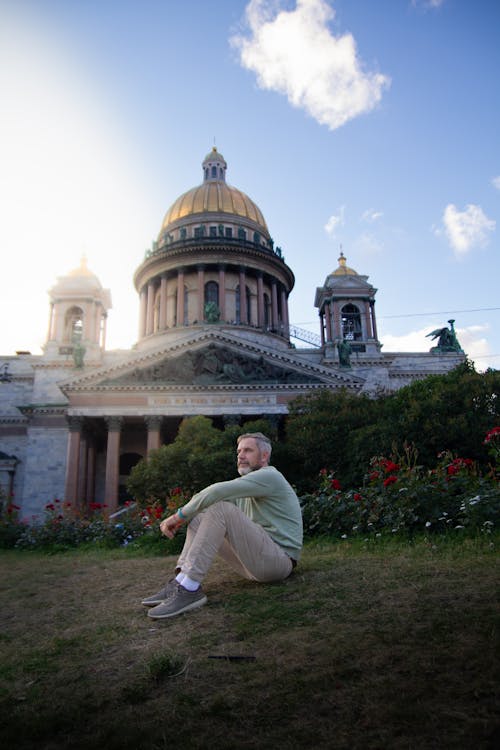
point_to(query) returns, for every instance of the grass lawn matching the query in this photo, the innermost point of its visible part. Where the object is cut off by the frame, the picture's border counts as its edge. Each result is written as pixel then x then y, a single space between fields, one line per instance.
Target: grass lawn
pixel 389 646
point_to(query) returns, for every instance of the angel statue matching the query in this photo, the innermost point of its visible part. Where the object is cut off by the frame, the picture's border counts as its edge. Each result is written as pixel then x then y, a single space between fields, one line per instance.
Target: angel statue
pixel 447 339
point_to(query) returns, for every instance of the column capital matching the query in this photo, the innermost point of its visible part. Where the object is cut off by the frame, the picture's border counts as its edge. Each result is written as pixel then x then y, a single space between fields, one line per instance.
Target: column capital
pixel 153 421
pixel 114 423
pixel 75 424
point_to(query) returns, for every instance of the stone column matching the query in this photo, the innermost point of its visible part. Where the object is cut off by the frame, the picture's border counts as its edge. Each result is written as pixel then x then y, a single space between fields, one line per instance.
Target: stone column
pixel 162 323
pixel 112 463
pixel 91 457
pixel 73 460
pixel 222 292
pixel 374 322
pixel 243 297
pixel 201 294
pixel 328 321
pixel 150 309
pixel 50 334
pixel 284 312
pixel 104 330
pixel 180 297
pixel 322 328
pixel 83 468
pixel 142 312
pixel 274 305
pixel 260 300
pixel 367 316
pixel 337 323
pixel 153 424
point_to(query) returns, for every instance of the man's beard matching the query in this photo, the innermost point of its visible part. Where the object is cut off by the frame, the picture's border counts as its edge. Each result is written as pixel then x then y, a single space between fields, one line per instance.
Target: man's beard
pixel 243 470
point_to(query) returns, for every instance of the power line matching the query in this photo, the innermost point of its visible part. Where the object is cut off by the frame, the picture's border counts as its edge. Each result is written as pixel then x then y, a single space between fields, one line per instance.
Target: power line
pixel 441 312
pixel 417 315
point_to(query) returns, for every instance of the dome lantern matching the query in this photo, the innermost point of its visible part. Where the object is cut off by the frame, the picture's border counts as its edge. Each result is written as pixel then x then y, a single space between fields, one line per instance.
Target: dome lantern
pixel 214 166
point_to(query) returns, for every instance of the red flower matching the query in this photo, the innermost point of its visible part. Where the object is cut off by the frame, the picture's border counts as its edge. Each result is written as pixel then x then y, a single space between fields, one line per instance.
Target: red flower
pixel 390 480
pixel 323 472
pixel 374 476
pixel 50 506
pixel 493 433
pixel 389 466
pixel 357 497
pixel 452 469
pixel 335 484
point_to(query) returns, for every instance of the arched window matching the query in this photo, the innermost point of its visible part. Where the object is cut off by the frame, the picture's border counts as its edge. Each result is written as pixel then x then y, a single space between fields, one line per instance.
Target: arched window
pixel 212 292
pixel 242 235
pixel 73 325
pixel 351 323
pixel 256 238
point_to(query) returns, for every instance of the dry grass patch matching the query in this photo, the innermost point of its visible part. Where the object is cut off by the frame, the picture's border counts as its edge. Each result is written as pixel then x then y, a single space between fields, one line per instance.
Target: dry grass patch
pixel 358 649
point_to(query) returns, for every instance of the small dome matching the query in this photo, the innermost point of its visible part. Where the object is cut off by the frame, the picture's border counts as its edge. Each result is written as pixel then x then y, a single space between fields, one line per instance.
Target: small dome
pixel 79 279
pixel 343 269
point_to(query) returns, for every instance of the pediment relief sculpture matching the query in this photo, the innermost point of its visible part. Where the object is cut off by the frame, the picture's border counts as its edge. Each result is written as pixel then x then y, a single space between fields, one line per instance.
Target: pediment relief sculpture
pixel 211 366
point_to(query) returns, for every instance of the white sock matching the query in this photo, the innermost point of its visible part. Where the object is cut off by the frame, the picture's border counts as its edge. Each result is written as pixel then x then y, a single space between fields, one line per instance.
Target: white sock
pixel 189 584
pixel 180 577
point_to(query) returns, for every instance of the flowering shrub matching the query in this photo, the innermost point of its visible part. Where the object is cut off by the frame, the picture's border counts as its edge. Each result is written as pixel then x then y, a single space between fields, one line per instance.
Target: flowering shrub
pixel 402 497
pixel 64 527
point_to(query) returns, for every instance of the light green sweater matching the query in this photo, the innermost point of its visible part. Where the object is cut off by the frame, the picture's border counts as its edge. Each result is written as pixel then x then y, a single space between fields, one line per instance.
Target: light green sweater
pixel 265 497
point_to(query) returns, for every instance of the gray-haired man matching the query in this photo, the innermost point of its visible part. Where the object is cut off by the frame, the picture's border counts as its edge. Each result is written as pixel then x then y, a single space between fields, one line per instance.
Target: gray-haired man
pixel 253 522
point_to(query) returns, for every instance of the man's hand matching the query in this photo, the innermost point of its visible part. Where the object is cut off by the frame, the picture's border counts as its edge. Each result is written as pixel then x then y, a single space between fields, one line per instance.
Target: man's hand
pixel 169 525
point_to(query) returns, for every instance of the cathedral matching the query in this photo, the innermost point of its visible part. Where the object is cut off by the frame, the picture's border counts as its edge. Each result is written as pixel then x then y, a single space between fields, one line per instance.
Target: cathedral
pixel 215 338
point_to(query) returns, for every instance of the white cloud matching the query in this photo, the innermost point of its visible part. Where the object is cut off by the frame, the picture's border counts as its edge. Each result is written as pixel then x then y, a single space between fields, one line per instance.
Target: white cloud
pixel 427 3
pixel 466 229
pixel 294 53
pixel 495 181
pixel 370 215
pixel 335 221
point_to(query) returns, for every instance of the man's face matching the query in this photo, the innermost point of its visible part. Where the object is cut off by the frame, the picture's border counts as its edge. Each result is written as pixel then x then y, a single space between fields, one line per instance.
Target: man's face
pixel 250 457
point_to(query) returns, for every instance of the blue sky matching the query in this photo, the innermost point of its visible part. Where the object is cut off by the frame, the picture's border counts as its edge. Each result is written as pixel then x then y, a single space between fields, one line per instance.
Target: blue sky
pixel 367 125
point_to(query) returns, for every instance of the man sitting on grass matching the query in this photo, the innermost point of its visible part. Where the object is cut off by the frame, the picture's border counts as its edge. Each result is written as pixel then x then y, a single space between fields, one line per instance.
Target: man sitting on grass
pixel 253 522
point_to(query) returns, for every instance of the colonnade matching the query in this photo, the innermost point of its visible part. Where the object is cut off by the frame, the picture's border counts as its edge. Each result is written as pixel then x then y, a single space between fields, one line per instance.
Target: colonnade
pixel 153 300
pixel 81 461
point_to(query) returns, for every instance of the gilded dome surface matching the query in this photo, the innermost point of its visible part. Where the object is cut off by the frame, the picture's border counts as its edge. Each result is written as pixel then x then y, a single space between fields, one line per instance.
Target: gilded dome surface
pixel 343 269
pixel 215 196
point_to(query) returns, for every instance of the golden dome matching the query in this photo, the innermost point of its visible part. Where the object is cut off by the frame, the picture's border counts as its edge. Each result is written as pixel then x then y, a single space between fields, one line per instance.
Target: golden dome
pixel 343 269
pixel 213 196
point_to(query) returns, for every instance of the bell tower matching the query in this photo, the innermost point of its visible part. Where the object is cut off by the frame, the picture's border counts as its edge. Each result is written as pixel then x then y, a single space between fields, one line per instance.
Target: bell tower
pixel 78 311
pixel 346 305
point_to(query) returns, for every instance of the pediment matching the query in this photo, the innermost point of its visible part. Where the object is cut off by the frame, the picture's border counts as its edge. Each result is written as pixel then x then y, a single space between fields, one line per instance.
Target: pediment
pixel 211 358
pixel 214 364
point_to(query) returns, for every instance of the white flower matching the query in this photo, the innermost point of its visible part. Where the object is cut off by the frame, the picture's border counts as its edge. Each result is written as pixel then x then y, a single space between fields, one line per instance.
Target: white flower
pixel 427 524
pixel 344 536
pixel 460 527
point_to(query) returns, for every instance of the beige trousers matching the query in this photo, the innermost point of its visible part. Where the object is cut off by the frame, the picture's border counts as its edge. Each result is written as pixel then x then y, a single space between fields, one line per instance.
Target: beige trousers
pixel 225 530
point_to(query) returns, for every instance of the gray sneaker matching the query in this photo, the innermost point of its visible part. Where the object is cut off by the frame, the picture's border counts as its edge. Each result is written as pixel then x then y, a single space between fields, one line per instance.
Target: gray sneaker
pixel 181 600
pixel 162 595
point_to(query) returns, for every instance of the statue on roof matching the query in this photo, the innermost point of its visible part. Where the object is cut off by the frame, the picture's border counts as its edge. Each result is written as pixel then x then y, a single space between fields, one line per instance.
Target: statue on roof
pixel 447 339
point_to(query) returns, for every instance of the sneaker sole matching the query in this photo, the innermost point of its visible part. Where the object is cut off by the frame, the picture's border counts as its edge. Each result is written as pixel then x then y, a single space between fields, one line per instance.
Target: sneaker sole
pixel 186 608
